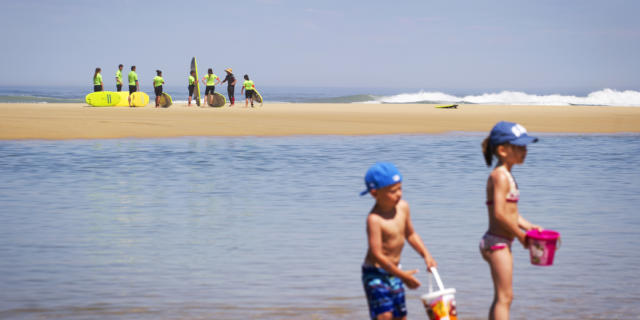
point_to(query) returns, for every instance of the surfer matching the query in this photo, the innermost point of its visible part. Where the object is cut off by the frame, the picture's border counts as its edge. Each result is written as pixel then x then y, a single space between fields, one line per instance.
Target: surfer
pixel 192 85
pixel 508 143
pixel 97 80
pixel 210 80
pixel 230 79
pixel 157 86
pixel 247 89
pixel 119 78
pixel 133 80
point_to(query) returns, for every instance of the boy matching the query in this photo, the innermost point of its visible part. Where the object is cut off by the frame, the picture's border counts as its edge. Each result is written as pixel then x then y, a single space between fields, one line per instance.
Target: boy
pixel 388 225
pixel 119 78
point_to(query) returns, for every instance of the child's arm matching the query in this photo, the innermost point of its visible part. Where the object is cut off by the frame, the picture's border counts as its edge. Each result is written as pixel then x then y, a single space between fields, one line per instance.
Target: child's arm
pixel 374 232
pixel 500 189
pixel 416 242
pixel 526 225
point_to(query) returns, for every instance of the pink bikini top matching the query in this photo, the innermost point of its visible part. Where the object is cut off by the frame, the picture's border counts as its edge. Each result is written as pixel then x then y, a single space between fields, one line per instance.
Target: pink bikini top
pixel 514 194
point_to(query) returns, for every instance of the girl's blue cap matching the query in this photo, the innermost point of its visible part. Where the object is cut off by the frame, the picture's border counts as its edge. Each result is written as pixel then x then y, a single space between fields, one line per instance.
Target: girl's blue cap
pixel 380 175
pixel 510 132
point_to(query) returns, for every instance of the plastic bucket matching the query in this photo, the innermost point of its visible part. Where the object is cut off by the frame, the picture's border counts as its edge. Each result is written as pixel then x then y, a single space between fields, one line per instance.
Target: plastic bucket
pixel 440 304
pixel 542 246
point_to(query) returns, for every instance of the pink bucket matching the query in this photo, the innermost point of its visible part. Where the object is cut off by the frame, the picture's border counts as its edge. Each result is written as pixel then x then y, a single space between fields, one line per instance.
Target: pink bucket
pixel 542 246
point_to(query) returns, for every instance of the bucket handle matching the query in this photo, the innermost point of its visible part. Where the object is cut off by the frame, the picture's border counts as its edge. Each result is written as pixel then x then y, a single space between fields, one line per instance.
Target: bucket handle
pixel 434 273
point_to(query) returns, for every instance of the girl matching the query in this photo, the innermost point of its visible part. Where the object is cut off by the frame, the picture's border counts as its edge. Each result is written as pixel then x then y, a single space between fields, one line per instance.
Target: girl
pixel 508 143
pixel 247 89
pixel 210 80
pixel 97 80
pixel 157 86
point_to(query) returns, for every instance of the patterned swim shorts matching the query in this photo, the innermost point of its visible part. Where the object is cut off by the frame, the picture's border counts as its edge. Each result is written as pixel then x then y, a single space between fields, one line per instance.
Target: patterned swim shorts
pixel 384 291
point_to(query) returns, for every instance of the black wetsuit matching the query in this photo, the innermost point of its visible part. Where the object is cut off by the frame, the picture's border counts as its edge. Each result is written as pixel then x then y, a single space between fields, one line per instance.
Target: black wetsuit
pixel 230 87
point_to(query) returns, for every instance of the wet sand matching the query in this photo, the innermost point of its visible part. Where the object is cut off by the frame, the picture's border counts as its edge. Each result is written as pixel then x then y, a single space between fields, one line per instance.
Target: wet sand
pixel 79 121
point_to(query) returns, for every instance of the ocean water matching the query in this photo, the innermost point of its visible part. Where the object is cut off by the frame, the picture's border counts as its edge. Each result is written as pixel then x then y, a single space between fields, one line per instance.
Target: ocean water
pixel 273 228
pixel 603 97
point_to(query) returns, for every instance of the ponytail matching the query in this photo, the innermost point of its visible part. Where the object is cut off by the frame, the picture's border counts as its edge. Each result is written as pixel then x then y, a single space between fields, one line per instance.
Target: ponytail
pixel 95 74
pixel 487 151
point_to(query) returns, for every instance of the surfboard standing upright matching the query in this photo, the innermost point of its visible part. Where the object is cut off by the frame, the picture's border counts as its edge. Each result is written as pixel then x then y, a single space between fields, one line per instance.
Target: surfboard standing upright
pixel 196 90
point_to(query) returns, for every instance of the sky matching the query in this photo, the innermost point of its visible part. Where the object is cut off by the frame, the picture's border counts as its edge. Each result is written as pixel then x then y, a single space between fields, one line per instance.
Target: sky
pixel 535 46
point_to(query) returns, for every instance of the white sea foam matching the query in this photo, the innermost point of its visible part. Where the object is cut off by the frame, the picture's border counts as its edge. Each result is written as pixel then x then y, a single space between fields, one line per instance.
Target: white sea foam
pixel 605 97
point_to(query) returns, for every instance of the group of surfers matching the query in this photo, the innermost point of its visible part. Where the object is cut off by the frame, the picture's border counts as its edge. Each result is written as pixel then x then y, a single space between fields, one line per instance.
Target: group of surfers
pixel 210 81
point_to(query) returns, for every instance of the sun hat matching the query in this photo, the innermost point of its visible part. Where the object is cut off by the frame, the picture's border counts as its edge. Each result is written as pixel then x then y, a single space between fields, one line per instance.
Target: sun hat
pixel 380 175
pixel 510 132
pixel 228 70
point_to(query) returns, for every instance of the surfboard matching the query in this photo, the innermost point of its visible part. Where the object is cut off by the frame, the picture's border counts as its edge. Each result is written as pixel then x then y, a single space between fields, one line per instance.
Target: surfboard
pixel 102 99
pixel 139 99
pixel 218 100
pixel 257 97
pixel 165 100
pixel 196 90
pixel 449 106
pixel 124 99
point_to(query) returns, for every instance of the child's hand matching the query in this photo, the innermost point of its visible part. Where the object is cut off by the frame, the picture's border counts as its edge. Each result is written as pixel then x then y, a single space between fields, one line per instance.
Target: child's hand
pixel 411 281
pixel 536 227
pixel 430 262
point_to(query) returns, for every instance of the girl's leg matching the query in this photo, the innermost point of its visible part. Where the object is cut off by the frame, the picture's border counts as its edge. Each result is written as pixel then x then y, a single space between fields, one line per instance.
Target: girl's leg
pixel 501 264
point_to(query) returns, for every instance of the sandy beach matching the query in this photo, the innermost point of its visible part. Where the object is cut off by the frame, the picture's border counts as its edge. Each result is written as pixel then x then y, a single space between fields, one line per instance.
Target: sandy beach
pixel 78 121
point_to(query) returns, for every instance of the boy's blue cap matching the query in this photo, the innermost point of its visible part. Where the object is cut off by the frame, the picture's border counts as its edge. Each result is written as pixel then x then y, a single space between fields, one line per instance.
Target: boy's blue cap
pixel 380 175
pixel 510 132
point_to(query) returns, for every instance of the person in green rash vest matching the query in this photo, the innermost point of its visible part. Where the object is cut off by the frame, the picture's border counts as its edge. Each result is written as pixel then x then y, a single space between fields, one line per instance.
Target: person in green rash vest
pixel 210 80
pixel 247 89
pixel 97 81
pixel 119 78
pixel 192 85
pixel 134 85
pixel 157 86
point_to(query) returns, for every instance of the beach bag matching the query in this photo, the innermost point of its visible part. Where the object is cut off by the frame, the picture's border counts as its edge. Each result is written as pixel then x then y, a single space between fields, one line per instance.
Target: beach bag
pixel 439 304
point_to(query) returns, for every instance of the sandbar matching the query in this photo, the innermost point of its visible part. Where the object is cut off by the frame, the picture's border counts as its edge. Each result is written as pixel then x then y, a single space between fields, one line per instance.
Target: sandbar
pixel 52 121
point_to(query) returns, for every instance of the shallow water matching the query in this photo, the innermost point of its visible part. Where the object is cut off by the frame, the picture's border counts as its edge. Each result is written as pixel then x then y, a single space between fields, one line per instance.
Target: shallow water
pixel 273 228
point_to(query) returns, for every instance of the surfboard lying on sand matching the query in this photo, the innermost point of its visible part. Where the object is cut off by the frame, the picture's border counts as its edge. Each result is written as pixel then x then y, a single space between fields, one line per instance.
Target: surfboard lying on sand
pixel 165 100
pixel 218 100
pixel 139 99
pixel 449 106
pixel 102 99
pixel 257 97
pixel 196 90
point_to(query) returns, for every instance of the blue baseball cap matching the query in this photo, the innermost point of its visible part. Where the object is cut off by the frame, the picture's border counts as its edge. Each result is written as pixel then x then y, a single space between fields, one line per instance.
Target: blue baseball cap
pixel 510 132
pixel 380 175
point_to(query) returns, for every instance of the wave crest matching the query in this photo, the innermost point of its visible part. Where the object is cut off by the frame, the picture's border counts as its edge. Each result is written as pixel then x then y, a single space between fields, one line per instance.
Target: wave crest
pixel 605 97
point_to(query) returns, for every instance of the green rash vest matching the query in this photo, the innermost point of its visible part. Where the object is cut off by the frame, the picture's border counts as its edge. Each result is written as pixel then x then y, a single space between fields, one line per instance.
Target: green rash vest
pixel 119 76
pixel 248 85
pixel 192 80
pixel 157 81
pixel 133 77
pixel 211 79
pixel 97 80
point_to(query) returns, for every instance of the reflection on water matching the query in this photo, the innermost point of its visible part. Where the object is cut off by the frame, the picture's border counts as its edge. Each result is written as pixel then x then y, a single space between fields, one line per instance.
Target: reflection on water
pixel 273 228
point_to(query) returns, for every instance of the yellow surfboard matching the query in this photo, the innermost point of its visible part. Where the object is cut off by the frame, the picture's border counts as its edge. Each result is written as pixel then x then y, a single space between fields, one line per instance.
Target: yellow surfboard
pixel 165 100
pixel 257 97
pixel 139 99
pixel 194 67
pixel 124 99
pixel 102 99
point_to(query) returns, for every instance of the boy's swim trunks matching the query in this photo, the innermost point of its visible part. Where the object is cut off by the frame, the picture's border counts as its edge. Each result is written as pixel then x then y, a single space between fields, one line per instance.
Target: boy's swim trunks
pixel 384 291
